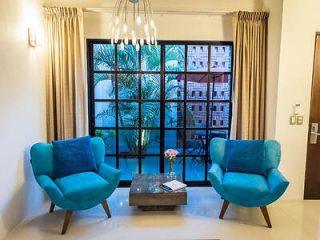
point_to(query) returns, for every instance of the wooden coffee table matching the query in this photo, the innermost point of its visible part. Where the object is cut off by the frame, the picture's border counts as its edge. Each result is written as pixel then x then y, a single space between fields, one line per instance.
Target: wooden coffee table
pixel 145 193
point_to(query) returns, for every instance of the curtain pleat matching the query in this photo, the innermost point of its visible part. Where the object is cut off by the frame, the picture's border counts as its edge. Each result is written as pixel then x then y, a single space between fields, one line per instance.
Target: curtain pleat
pixel 250 32
pixel 66 84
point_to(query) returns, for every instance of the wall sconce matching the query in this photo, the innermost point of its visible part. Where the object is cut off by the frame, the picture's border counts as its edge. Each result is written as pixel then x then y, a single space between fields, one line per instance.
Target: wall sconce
pixel 34 38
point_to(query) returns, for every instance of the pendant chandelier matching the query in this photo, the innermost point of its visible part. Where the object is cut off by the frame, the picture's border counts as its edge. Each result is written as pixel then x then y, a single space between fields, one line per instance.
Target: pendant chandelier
pixel 133 20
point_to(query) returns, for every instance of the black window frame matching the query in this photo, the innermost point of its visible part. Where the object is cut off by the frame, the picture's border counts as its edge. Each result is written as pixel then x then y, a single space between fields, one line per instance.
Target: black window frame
pixel 209 102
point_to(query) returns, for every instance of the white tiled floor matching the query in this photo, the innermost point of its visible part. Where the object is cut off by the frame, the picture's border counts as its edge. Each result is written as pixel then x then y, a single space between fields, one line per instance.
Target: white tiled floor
pixel 198 220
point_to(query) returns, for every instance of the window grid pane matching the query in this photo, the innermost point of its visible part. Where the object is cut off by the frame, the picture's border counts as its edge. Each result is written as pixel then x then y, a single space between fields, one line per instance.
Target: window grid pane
pixel 128 103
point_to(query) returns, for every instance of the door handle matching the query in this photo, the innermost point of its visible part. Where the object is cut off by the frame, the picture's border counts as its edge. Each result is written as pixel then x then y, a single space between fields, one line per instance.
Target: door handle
pixel 314 133
pixel 318 134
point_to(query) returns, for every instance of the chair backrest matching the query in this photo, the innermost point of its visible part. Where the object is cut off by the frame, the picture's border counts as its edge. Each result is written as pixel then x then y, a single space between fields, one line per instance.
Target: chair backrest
pixel 272 152
pixel 43 162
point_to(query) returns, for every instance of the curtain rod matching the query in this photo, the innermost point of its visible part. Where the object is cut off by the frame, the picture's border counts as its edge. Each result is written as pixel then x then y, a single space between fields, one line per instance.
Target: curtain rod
pixel 161 11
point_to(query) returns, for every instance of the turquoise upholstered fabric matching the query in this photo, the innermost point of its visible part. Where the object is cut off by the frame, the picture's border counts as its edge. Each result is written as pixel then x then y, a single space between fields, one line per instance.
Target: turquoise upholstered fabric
pixel 247 189
pixel 73 156
pixel 245 156
pixel 78 191
pixel 82 187
pixel 245 185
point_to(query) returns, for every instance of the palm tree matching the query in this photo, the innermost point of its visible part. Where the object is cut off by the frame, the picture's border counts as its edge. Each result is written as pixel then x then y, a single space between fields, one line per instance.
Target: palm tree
pixel 128 87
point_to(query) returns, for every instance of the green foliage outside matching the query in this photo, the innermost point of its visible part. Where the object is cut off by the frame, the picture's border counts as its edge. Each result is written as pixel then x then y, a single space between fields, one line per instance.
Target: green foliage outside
pixel 128 88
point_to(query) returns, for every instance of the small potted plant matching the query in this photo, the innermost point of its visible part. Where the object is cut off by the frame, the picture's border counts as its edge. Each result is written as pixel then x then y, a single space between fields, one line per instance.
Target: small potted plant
pixel 171 154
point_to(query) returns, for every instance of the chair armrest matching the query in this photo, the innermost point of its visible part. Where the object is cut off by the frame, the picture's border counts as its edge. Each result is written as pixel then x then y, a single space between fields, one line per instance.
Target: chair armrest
pixel 50 187
pixel 276 180
pixel 216 173
pixel 109 173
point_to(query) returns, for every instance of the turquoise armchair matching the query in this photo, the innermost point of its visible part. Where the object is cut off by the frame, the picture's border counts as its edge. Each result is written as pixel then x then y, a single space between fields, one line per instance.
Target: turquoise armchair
pixel 77 191
pixel 247 189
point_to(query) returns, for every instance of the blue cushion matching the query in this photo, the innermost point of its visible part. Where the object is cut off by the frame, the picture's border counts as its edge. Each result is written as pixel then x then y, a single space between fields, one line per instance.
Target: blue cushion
pixel 73 156
pixel 245 185
pixel 82 187
pixel 246 156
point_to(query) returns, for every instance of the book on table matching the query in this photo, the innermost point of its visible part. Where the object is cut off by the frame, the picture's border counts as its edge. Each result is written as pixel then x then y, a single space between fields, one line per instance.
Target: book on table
pixel 172 186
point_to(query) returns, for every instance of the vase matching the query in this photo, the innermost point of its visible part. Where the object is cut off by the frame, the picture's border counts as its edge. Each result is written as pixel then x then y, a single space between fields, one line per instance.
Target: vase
pixel 171 172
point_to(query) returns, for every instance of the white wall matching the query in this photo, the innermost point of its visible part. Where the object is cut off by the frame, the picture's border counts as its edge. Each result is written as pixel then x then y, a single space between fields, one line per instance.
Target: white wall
pixel 170 27
pixel 22 110
pixel 300 23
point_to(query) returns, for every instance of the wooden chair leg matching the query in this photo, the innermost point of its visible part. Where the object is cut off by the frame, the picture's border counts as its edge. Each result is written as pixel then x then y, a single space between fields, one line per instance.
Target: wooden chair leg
pixel 264 211
pixel 66 221
pixel 52 207
pixel 224 208
pixel 106 208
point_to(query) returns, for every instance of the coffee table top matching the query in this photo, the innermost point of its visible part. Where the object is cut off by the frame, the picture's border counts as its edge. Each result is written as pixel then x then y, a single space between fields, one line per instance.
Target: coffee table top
pixel 145 192
pixel 150 183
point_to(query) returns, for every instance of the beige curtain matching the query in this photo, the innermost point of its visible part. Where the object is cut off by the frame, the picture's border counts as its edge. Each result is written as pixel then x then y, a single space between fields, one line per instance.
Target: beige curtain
pixel 66 84
pixel 250 31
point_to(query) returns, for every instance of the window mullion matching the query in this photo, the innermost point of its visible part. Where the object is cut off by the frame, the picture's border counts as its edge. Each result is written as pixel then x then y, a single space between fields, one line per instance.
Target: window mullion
pixel 196 133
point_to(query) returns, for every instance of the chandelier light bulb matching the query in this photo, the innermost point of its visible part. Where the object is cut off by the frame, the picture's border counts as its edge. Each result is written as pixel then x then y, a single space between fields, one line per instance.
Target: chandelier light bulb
pixel 148 39
pixel 134 40
pixel 146 28
pixel 117 20
pixel 152 25
pixel 121 46
pixel 138 20
pixel 125 28
pixel 137 47
pixel 140 29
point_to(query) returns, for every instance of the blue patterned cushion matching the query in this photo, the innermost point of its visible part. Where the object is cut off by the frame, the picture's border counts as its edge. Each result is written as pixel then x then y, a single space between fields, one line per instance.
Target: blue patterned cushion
pixel 246 156
pixel 73 156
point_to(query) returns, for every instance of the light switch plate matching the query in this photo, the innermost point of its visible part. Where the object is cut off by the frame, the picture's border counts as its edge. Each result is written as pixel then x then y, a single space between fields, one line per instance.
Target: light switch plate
pixel 299 120
pixel 293 120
